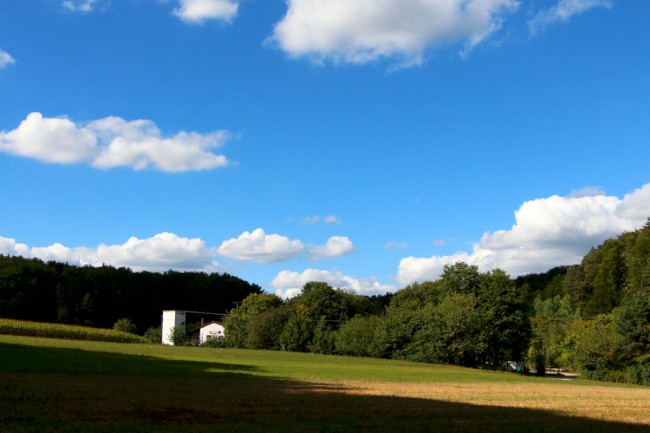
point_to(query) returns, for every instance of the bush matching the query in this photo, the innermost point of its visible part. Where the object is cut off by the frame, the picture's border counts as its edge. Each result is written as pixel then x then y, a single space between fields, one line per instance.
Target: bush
pixel 154 334
pixel 178 336
pixel 125 325
pixel 216 342
pixel 639 373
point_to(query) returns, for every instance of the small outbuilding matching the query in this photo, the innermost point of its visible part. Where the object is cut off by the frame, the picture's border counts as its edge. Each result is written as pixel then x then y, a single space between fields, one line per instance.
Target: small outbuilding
pixel 171 320
pixel 210 331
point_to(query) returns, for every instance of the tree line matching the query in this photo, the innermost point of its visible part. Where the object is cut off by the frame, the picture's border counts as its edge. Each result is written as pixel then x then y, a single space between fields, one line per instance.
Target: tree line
pixel 466 318
pixel 593 317
pixel 31 289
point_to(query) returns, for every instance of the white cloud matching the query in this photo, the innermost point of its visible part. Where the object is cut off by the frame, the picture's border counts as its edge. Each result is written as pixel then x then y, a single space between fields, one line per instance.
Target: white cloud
pixel 257 246
pixel 198 11
pixel 548 232
pixel 159 253
pixel 562 12
pixel 289 284
pixel 441 242
pixel 113 142
pixel 327 219
pixel 336 246
pixel 6 59
pixel 359 31
pixel 79 5
pixel 587 191
pixel 394 245
pixel 331 219
pixel 311 219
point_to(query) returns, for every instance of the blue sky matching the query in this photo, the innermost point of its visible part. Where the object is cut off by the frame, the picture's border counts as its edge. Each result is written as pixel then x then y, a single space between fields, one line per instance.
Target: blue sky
pixel 362 143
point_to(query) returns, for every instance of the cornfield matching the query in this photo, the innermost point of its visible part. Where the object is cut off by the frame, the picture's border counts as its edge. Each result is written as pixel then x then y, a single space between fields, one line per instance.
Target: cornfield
pixel 69 332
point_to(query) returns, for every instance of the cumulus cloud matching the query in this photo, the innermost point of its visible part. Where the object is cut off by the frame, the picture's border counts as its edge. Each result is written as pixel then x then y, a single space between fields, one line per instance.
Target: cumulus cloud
pixel 359 31
pixel 289 283
pixel 113 142
pixel 336 246
pixel 259 247
pixel 562 12
pixel 6 59
pixel 548 232
pixel 198 11
pixel 159 253
pixel 79 5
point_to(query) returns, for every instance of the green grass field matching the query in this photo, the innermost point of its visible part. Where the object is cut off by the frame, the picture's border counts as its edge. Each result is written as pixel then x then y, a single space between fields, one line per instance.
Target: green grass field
pixel 67 386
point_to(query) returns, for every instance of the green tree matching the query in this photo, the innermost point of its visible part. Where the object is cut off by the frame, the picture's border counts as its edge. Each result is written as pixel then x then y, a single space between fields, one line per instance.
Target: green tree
pixel 506 329
pixel 450 333
pixel 596 347
pixel 551 324
pixel 236 323
pixel 297 334
pixel 361 336
pixel 633 324
pixel 263 329
pixel 459 278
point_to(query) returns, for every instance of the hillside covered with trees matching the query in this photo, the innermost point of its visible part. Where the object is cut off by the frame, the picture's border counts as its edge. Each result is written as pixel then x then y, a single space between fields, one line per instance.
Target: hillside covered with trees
pixel 31 289
pixel 593 317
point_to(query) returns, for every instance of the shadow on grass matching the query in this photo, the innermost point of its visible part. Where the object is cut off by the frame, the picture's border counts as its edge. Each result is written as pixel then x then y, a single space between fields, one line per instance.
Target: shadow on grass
pixel 51 389
pixel 33 359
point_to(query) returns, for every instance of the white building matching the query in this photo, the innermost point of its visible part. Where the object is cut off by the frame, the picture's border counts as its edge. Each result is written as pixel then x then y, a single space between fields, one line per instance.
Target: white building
pixel 172 319
pixel 210 331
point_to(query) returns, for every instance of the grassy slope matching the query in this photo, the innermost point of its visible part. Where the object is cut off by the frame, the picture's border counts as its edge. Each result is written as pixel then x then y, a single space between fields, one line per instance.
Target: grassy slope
pixel 63 385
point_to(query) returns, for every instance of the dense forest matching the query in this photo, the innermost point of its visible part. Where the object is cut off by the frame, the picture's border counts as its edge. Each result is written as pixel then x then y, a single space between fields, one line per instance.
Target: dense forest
pixel 31 289
pixel 593 317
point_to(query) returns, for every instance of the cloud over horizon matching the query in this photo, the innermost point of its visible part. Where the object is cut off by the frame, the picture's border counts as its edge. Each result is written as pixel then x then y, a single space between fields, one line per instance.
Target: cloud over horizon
pixel 159 253
pixel 548 232
pixel 360 31
pixel 289 284
pixel 113 142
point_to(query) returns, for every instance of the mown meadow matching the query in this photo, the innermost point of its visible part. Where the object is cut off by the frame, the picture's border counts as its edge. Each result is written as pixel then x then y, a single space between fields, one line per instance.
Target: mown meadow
pixel 67 385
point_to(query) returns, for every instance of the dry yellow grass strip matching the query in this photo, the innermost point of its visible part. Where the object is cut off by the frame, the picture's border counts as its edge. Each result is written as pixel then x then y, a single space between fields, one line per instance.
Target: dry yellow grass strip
pixel 604 403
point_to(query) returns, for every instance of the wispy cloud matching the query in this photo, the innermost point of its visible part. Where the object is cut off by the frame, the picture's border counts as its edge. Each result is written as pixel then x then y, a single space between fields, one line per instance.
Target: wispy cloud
pixel 395 245
pixel 562 12
pixel 6 59
pixel 327 219
pixel 113 142
pixel 79 5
